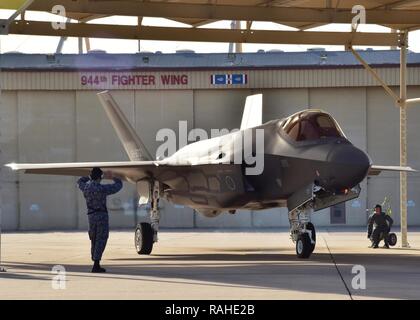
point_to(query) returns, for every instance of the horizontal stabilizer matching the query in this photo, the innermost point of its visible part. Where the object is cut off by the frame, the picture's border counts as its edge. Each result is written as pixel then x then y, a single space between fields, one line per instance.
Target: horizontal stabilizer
pixel 252 116
pixel 376 170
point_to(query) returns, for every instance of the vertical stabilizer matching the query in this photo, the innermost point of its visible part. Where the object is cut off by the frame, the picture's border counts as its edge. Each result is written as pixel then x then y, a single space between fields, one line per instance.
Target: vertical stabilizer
pixel 252 116
pixel 133 145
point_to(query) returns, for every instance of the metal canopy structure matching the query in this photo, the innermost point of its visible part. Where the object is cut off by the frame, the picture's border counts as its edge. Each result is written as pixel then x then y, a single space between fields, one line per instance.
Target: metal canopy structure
pixel 401 16
pixel 300 14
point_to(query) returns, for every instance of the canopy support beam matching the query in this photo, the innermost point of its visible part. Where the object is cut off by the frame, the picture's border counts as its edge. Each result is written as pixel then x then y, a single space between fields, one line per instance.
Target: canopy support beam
pixel 5 24
pixel 84 30
pixel 375 74
pixel 214 11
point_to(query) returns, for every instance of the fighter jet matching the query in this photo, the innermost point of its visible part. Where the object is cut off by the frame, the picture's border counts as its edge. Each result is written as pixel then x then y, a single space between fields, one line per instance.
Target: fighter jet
pixel 303 162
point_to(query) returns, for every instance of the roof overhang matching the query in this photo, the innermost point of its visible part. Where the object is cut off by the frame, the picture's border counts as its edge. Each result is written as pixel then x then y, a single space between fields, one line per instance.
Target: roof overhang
pixel 301 14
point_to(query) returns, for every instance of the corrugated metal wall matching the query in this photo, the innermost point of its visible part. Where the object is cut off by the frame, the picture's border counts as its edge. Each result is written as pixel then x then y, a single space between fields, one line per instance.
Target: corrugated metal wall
pixel 68 124
pixel 257 79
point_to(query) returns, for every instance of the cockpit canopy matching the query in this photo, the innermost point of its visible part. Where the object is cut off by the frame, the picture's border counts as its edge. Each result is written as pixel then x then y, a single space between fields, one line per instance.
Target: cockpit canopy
pixel 311 125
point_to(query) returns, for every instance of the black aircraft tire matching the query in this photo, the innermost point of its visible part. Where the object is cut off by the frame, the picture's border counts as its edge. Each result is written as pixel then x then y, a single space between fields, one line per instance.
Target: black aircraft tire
pixel 143 238
pixel 303 246
pixel 392 239
pixel 311 227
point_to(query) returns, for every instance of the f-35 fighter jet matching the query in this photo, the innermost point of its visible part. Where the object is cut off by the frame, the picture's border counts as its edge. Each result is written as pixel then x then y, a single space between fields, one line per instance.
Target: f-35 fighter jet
pixel 303 162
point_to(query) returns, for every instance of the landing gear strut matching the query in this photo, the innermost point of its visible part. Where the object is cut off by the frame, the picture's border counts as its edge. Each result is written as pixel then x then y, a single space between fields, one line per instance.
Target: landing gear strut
pixel 302 231
pixel 147 233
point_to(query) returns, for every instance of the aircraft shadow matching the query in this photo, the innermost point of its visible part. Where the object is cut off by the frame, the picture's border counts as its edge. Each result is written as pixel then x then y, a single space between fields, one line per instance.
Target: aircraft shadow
pixel 22 276
pixel 394 276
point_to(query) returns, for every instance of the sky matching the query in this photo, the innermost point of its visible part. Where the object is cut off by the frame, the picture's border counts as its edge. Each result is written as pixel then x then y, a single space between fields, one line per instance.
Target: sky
pixel 40 44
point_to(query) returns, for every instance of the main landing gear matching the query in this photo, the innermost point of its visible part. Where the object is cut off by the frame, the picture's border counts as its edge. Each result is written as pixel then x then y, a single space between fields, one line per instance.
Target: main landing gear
pixel 302 231
pixel 147 233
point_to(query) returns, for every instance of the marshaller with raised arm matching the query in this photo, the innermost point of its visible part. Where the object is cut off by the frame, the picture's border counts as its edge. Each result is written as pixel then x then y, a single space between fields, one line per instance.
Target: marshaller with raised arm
pixel 95 194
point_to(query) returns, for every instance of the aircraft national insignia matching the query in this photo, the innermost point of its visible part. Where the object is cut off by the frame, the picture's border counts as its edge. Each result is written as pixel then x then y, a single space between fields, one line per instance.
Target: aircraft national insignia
pixel 224 79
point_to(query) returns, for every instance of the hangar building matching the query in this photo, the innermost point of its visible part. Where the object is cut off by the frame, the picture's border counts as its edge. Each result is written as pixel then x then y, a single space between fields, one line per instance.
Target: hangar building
pixel 49 113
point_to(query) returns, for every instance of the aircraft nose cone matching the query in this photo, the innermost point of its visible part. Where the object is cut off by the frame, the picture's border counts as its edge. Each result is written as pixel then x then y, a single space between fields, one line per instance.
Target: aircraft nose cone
pixel 349 166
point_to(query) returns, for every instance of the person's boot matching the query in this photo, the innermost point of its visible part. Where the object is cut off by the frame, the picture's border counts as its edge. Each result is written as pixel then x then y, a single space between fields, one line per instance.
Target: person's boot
pixel 375 246
pixel 97 267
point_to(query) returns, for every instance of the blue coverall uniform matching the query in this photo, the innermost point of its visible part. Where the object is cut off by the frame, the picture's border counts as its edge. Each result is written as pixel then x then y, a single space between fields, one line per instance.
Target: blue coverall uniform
pixel 95 194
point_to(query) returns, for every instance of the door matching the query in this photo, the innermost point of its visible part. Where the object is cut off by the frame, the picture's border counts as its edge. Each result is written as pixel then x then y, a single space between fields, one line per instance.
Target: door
pixel 338 214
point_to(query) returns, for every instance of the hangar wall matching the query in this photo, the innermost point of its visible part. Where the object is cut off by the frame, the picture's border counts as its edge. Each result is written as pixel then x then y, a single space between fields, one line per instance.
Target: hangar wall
pixel 69 125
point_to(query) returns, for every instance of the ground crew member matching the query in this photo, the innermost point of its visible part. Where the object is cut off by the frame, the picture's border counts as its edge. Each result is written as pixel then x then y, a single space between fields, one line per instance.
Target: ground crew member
pixel 382 224
pixel 95 194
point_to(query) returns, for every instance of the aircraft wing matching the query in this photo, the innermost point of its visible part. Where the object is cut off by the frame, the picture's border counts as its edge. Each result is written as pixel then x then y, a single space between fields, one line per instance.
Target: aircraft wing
pixel 376 170
pixel 128 170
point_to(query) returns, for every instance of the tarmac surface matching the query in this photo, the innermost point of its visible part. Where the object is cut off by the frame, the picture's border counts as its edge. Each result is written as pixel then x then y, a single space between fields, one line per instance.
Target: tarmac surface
pixel 191 264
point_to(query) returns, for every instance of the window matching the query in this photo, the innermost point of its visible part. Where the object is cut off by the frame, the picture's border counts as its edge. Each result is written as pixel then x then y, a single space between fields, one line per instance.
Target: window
pixel 293 130
pixel 308 131
pixel 289 123
pixel 327 126
pixel 310 125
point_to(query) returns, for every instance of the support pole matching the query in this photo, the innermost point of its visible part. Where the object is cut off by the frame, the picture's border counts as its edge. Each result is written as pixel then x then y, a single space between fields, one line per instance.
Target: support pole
pixel 393 47
pixel 60 45
pixel 1 268
pixel 235 47
pixel 403 138
pixel 19 11
pixel 139 23
pixel 238 46
pixel 87 44
pixel 80 45
pixel 402 102
pixel 1 198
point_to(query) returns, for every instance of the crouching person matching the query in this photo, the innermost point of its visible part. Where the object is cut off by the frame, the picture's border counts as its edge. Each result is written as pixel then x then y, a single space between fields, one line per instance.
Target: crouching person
pixel 379 226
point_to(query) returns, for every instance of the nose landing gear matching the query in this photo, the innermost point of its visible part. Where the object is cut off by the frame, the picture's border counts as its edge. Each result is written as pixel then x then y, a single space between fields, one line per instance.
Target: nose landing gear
pixel 302 231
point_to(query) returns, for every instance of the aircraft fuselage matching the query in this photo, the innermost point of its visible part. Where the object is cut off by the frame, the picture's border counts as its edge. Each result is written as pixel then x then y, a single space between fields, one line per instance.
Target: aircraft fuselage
pixel 330 163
